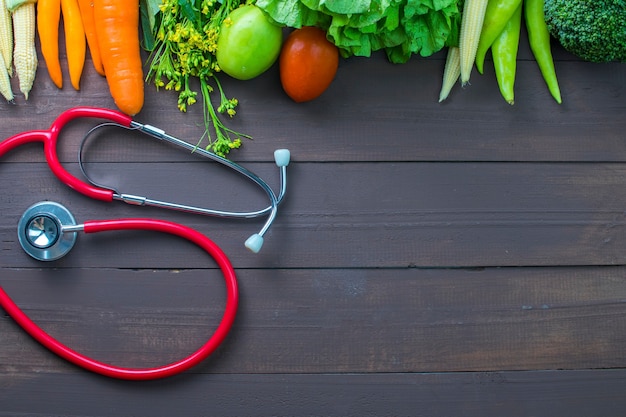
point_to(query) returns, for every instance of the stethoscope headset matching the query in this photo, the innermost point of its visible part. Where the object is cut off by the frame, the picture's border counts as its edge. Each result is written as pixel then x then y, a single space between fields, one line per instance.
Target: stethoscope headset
pixel 47 231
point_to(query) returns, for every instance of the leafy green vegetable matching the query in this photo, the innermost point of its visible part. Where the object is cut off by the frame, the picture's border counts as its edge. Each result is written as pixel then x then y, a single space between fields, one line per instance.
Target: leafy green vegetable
pixel 359 27
pixel 182 39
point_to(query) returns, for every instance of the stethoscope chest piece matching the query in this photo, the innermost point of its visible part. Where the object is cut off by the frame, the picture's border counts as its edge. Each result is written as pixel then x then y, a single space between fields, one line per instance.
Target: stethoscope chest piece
pixel 41 231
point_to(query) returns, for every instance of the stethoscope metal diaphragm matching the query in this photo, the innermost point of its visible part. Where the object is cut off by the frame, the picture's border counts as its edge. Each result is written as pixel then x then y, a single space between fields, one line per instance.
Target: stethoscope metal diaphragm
pixel 41 231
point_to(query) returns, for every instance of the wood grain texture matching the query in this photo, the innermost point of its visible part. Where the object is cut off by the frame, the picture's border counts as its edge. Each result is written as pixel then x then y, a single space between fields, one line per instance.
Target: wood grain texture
pixel 515 394
pixel 461 214
pixel 456 259
pixel 328 320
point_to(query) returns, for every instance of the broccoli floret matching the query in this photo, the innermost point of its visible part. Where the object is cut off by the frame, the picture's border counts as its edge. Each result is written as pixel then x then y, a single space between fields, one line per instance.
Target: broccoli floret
pixel 594 30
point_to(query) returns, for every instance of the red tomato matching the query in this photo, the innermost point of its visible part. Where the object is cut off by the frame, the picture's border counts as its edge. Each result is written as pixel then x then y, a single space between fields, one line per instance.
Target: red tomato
pixel 308 64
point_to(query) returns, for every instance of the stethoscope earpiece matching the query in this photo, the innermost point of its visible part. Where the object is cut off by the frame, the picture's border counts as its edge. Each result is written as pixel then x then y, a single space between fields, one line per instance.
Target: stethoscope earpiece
pixel 42 231
pixel 254 243
pixel 282 157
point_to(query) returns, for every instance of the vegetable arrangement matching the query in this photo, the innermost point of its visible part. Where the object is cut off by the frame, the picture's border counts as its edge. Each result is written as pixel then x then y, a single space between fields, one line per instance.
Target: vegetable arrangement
pixel 110 29
pixel 190 42
pixel 401 28
pixel 497 14
pixel 500 33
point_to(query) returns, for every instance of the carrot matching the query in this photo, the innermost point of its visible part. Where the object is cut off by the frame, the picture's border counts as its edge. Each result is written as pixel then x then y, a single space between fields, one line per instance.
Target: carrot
pixel 48 17
pixel 75 43
pixel 117 27
pixel 89 24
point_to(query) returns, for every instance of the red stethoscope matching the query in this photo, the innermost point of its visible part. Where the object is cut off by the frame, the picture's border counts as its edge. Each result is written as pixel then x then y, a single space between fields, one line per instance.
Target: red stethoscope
pixel 47 231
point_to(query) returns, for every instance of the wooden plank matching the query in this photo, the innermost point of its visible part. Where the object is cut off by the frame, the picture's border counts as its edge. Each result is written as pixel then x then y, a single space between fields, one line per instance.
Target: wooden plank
pixel 514 394
pixel 352 215
pixel 294 321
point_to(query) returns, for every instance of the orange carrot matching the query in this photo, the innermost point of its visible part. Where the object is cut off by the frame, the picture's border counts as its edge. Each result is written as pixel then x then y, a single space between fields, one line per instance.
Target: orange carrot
pixel 117 27
pixel 48 17
pixel 89 24
pixel 75 43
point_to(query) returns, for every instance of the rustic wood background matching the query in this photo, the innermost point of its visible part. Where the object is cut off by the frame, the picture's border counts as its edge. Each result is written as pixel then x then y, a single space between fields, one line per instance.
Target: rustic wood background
pixel 458 259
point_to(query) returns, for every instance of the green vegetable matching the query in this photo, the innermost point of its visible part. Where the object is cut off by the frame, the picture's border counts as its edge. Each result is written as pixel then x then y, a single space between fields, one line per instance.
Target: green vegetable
pixel 539 39
pixel 184 41
pixel 504 52
pixel 359 27
pixel 594 30
pixel 248 43
pixel 497 15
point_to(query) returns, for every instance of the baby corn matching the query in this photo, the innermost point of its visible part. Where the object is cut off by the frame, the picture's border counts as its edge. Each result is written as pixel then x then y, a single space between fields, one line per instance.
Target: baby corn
pixel 6 37
pixel 451 72
pixel 471 26
pixel 24 53
pixel 5 82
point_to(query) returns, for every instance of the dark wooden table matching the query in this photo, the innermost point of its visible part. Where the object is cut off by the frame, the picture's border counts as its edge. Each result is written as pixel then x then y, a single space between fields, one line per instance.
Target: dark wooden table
pixel 458 259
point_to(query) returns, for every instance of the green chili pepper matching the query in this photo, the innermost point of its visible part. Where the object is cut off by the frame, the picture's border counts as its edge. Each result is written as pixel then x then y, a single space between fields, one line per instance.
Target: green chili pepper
pixel 539 39
pixel 497 14
pixel 504 52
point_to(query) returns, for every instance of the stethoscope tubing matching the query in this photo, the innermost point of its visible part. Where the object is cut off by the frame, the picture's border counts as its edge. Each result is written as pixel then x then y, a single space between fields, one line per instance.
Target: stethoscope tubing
pixel 159 134
pixel 137 374
pixel 50 137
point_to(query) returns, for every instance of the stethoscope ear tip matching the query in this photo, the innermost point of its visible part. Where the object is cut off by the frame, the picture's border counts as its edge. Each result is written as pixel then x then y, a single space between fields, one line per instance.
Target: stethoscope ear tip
pixel 254 243
pixel 282 157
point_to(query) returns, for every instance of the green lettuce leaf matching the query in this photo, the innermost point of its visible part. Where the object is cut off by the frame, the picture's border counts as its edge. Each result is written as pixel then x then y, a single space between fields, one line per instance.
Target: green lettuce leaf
pixel 293 13
pixel 401 28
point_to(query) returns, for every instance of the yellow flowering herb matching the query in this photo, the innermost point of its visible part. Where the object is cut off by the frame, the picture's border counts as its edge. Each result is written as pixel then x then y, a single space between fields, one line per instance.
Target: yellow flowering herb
pixel 183 42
